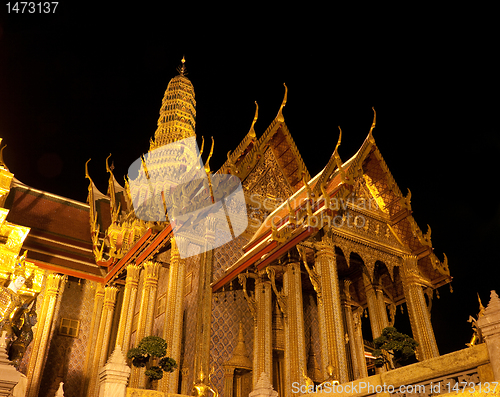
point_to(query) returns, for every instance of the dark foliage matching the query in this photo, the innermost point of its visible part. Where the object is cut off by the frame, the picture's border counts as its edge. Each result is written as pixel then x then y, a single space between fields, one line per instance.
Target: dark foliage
pixel 400 346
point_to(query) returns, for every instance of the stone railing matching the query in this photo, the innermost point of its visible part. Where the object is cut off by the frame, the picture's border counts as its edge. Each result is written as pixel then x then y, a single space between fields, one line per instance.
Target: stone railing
pixel 436 376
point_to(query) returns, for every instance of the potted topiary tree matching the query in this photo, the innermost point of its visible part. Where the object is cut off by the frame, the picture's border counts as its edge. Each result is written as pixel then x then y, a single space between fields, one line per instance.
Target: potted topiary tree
pixel 150 353
pixel 399 347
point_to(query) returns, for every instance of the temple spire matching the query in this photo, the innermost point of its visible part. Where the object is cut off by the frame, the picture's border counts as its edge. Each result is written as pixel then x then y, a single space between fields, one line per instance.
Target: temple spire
pixel 178 111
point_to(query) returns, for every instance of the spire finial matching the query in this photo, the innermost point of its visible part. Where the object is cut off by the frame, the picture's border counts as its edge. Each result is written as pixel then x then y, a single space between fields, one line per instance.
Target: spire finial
pixel 182 69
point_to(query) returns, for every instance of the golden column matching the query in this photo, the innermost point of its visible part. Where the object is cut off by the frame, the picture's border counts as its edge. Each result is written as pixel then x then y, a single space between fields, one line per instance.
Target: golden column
pixel 172 330
pixel 295 346
pixel 204 305
pixel 128 308
pixel 102 342
pixel 330 312
pixel 146 316
pixel 263 336
pixel 359 343
pixel 53 290
pixel 376 306
pixel 420 319
pixel 354 347
pixel 92 337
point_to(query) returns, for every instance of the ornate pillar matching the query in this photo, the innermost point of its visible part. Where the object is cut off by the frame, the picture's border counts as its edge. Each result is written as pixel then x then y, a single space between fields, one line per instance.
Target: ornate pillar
pixel 356 352
pixel 146 316
pixel 102 342
pixel 128 307
pixel 376 306
pixel 53 290
pixel 330 312
pixel 228 380
pixel 92 338
pixel 420 319
pixel 263 336
pixel 172 331
pixel 295 347
pixel 359 344
pixel 204 304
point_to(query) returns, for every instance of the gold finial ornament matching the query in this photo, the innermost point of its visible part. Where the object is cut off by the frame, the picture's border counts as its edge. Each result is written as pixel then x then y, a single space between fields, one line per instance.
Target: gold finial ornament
pixel 2 162
pixel 338 161
pixel 252 131
pixel 283 103
pixel 182 68
pixel 207 166
pixel 374 122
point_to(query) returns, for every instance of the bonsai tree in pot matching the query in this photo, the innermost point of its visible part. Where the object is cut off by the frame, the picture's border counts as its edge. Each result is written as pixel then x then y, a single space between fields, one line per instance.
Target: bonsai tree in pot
pixel 393 347
pixel 151 353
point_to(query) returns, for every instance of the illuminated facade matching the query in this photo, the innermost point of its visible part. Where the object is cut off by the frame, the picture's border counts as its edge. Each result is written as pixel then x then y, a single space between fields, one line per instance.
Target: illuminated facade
pixel 321 255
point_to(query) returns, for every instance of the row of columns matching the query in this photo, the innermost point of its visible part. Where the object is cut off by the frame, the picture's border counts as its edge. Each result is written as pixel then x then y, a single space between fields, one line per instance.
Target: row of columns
pixel 339 325
pixel 104 306
pixel 333 304
pixel 53 290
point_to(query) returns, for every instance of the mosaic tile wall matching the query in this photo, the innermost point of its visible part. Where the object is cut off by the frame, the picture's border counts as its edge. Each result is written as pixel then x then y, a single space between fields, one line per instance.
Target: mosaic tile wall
pixel 49 370
pixel 65 360
pixel 159 319
pixel 137 308
pixel 227 311
pixel 189 324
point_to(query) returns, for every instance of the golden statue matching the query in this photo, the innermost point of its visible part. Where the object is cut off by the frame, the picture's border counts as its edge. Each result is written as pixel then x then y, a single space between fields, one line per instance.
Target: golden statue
pixel 477 336
pixel 10 299
pixel 308 382
pixel 24 335
pixel 330 381
pixel 201 388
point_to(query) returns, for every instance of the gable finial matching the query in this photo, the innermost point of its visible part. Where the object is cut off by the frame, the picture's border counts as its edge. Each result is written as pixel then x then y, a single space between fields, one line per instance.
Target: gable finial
pixel 280 113
pixel 374 121
pixel 252 131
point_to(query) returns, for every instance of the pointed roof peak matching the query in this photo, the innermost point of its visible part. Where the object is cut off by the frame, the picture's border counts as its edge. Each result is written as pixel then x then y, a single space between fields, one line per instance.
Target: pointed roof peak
pixel 182 68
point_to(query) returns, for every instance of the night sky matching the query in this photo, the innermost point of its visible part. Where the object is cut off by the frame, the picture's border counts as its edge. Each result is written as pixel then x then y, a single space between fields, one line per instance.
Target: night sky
pixel 83 83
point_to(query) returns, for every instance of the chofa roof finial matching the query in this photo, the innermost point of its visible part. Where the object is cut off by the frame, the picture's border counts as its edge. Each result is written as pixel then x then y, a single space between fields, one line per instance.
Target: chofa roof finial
pixel 280 117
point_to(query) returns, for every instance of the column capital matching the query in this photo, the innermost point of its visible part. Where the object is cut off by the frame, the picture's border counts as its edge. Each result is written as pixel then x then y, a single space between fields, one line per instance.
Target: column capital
pixel 178 244
pixel 324 248
pixel 152 272
pixel 110 292
pixel 54 283
pixel 133 272
pixel 99 291
pixel 411 272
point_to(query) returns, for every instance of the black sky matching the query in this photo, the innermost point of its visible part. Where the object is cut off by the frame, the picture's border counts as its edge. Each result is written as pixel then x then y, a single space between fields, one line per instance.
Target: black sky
pixel 83 83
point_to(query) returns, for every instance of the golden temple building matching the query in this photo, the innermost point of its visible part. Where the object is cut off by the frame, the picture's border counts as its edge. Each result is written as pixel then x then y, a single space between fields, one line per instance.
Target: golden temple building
pixel 322 267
